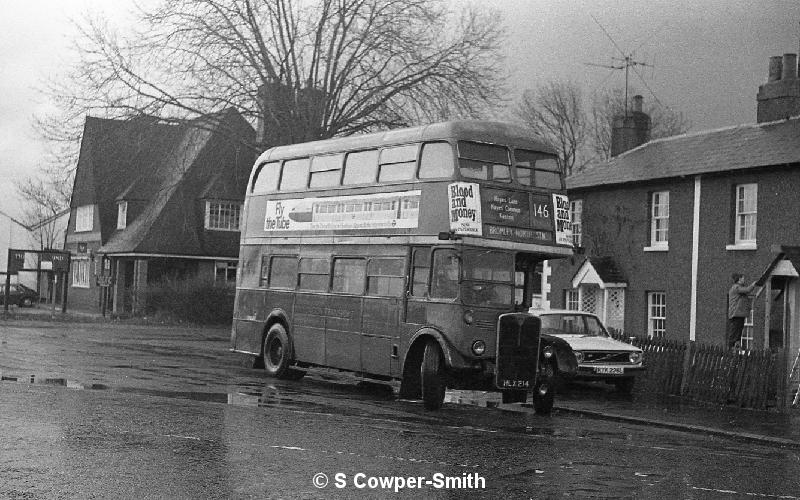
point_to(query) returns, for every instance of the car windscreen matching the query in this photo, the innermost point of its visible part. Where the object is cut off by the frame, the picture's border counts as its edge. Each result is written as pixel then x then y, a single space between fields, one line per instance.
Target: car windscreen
pixel 572 324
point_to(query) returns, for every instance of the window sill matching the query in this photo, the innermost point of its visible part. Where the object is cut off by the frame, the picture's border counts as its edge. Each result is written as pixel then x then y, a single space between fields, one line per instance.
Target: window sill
pixel 657 249
pixel 742 246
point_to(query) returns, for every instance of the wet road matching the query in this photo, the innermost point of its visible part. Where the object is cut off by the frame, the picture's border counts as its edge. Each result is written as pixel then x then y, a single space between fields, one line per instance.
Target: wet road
pixel 121 411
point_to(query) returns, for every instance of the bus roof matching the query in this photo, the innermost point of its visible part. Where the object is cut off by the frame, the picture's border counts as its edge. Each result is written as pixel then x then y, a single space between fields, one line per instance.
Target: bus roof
pixel 473 130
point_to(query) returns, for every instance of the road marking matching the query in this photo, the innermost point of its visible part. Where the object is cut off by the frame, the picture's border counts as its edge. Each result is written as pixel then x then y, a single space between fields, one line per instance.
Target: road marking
pixel 757 495
pixel 383 457
pixel 182 437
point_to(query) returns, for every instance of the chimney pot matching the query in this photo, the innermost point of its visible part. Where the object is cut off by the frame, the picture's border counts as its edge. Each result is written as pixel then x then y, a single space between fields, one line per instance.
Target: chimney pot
pixel 637 104
pixel 775 68
pixel 789 67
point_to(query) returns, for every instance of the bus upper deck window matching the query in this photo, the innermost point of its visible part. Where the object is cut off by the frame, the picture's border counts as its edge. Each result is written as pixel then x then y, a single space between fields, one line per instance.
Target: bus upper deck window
pixel 547 174
pixel 537 169
pixel 295 174
pixel 267 177
pixel 436 160
pixel 397 163
pixel 325 171
pixel 484 161
pixel 360 167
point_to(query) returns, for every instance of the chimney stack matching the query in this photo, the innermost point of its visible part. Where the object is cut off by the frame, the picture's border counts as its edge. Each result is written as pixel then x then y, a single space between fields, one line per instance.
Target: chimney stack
pixel 630 131
pixel 779 98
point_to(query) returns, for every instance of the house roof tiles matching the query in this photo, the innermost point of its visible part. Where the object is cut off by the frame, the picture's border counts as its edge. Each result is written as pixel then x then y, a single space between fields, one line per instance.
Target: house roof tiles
pixel 726 149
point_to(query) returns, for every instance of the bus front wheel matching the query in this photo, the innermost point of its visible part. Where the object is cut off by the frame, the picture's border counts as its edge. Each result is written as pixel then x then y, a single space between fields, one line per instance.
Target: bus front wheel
pixel 432 376
pixel 278 354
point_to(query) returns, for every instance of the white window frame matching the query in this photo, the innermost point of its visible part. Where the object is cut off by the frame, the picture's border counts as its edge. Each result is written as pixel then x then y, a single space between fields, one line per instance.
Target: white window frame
pixel 659 220
pixel 656 314
pixel 84 218
pixel 227 265
pixel 572 297
pixel 745 223
pixel 81 270
pixel 122 215
pixel 576 218
pixel 223 216
pixel 746 340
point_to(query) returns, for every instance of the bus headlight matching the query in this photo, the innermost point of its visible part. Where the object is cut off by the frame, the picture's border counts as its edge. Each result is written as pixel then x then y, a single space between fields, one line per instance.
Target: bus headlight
pixel 468 317
pixel 635 357
pixel 547 352
pixel 479 347
pixel 579 356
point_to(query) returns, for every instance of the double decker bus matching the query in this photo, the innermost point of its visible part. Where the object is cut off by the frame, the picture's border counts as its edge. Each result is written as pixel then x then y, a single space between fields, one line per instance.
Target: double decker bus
pixel 404 255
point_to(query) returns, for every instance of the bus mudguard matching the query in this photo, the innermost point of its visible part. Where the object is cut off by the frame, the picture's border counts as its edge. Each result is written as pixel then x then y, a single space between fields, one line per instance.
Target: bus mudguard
pixel 452 358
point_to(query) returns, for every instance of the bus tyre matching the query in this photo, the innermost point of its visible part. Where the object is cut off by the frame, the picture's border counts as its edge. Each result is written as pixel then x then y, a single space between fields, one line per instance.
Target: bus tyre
pixel 278 353
pixel 432 376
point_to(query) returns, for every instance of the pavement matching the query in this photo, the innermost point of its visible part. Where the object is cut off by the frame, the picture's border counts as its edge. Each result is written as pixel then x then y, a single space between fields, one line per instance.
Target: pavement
pixel 596 401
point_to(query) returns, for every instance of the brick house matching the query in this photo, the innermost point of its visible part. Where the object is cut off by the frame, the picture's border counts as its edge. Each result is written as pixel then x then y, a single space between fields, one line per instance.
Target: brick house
pixel 661 227
pixel 154 201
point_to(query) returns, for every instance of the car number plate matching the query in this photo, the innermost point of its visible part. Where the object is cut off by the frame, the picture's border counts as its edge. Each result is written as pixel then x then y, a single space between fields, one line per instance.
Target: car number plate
pixel 609 370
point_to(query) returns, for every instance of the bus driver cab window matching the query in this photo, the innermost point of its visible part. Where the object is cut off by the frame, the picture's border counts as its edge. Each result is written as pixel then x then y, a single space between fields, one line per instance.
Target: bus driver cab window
pixel 446 266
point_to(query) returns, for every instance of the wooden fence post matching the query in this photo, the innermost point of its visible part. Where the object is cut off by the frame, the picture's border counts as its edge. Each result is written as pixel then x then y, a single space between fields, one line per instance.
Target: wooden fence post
pixel 687 363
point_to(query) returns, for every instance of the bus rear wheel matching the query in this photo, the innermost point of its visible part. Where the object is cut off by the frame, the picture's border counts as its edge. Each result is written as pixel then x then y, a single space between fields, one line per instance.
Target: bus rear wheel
pixel 432 376
pixel 278 354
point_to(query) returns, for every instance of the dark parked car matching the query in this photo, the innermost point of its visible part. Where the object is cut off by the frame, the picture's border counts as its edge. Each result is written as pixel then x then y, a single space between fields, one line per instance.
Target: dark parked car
pixel 20 295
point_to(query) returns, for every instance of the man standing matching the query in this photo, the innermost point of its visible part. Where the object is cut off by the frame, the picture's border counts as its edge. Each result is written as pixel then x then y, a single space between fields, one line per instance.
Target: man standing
pixel 739 305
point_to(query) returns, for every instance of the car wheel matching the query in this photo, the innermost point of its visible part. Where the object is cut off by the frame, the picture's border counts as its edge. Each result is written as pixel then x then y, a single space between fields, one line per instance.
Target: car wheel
pixel 432 376
pixel 278 354
pixel 625 385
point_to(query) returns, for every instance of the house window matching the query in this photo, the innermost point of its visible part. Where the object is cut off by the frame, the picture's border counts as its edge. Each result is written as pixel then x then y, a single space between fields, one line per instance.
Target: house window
pixel 80 272
pixel 225 271
pixel 746 210
pixel 84 218
pixel 747 333
pixel 122 215
pixel 222 216
pixel 659 219
pixel 572 299
pixel 656 314
pixel 576 216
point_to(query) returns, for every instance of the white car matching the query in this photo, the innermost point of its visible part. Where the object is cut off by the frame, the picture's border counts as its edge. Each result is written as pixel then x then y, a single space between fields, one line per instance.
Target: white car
pixel 599 356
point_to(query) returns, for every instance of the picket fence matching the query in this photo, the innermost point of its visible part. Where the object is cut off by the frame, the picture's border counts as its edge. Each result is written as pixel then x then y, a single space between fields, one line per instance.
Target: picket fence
pixel 744 378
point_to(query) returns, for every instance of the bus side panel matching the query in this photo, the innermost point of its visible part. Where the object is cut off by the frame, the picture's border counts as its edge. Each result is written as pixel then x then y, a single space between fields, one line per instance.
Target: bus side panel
pixel 343 332
pixel 247 324
pixel 308 328
pixel 380 328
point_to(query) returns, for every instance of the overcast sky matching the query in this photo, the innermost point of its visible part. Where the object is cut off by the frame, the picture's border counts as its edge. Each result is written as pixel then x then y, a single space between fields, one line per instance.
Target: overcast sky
pixel 708 57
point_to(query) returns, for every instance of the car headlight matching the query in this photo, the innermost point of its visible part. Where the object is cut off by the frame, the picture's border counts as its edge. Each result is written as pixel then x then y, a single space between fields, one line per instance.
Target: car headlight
pixel 547 352
pixel 579 356
pixel 636 357
pixel 479 347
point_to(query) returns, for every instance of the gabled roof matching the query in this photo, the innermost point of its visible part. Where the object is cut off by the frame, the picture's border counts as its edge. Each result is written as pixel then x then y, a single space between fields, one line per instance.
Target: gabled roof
pixel 721 150
pixel 601 271
pixel 161 167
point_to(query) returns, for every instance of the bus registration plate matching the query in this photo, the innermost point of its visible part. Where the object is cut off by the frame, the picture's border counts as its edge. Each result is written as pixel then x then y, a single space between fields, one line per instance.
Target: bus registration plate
pixel 609 370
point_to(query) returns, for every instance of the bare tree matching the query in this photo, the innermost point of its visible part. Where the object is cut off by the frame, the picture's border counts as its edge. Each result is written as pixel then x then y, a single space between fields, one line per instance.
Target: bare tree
pixel 664 122
pixel 309 69
pixel 555 112
pixel 45 200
